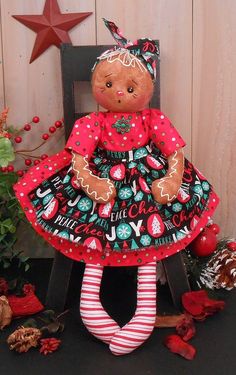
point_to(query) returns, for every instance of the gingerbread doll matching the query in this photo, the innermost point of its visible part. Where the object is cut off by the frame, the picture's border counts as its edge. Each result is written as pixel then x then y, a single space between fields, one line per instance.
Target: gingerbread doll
pixel 121 193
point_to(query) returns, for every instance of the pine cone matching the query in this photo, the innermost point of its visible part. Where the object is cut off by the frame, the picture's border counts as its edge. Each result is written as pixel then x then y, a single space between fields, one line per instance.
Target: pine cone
pixel 220 271
pixel 5 312
pixel 23 339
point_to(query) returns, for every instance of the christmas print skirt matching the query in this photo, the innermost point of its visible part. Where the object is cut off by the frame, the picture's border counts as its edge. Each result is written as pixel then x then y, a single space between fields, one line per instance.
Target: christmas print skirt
pixel 130 230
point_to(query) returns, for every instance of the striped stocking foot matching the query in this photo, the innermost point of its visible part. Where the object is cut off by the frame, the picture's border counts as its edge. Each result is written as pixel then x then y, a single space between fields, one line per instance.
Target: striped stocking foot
pixel 93 315
pixel 140 327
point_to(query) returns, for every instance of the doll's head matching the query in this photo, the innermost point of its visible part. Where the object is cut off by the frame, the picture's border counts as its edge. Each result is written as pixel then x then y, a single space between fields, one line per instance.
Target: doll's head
pixel 120 87
pixel 123 78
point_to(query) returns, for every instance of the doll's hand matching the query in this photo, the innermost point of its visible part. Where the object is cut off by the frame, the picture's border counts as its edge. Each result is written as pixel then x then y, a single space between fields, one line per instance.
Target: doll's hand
pixel 165 189
pixel 101 190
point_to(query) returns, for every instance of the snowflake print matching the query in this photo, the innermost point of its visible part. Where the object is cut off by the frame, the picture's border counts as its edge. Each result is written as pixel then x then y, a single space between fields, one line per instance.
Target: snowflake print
pixel 177 207
pixel 140 153
pixel 84 204
pixel 125 193
pixel 97 161
pixel 139 196
pixel 198 189
pixel 205 186
pixel 123 231
pixel 145 240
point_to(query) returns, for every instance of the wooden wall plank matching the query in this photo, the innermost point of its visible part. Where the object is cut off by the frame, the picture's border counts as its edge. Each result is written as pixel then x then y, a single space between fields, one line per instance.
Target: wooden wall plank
pixel 2 101
pixel 35 89
pixel 214 98
pixel 170 21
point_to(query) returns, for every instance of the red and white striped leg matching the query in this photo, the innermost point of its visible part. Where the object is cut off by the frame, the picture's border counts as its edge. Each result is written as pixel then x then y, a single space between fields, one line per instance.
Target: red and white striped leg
pixel 93 315
pixel 140 327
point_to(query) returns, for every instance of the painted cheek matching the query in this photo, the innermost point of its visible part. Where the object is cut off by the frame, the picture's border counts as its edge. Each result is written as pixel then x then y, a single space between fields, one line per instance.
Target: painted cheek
pixel 99 95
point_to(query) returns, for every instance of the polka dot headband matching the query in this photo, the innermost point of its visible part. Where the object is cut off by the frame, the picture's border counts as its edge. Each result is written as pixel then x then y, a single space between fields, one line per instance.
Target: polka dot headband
pixel 143 52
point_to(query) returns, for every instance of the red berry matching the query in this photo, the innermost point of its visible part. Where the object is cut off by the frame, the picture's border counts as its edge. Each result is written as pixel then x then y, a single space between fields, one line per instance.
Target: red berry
pixel 28 162
pixel 10 168
pixel 7 135
pixel 4 169
pixel 35 119
pixel 27 127
pixel 20 173
pixel 58 124
pixel 18 139
pixel 214 228
pixel 36 162
pixel 204 244
pixel 52 129
pixel 44 156
pixel 231 246
pixel 45 136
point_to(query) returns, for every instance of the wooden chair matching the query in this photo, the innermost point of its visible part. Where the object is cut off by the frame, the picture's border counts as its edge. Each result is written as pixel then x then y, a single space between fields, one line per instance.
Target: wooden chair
pixel 76 64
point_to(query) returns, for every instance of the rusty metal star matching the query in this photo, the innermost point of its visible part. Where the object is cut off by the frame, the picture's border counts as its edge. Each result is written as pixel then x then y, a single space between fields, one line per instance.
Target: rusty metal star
pixel 51 27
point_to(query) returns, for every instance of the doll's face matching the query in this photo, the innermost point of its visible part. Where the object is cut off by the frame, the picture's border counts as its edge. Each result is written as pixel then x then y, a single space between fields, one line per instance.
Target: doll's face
pixel 120 88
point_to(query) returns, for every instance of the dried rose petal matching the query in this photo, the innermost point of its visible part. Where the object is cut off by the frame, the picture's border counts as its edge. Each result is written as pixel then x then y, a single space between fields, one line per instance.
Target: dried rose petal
pixel 186 328
pixel 49 345
pixel 199 305
pixel 176 345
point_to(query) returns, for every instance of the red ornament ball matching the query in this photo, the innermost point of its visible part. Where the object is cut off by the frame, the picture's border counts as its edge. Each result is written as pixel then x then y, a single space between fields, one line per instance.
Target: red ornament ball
pixel 10 168
pixel 20 173
pixel 36 162
pixel 27 127
pixel 52 129
pixel 205 243
pixel 35 119
pixel 58 124
pixel 45 136
pixel 231 246
pixel 3 169
pixel 28 162
pixel 214 228
pixel 18 139
pixel 44 156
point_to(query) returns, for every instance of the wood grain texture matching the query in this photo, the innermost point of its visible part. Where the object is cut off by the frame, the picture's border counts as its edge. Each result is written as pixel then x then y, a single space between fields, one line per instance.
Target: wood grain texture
pixel 214 98
pixel 2 101
pixel 35 89
pixel 170 21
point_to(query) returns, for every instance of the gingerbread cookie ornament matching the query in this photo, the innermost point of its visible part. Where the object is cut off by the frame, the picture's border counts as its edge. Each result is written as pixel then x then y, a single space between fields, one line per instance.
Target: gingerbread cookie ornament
pixel 121 193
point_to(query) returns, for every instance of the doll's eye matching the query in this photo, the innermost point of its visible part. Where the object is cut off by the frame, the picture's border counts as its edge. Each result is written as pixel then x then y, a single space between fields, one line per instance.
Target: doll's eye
pixel 130 89
pixel 108 84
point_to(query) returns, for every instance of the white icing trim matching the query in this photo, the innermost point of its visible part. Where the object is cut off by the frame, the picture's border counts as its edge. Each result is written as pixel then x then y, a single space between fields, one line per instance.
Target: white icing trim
pixel 163 179
pixel 124 56
pixel 86 187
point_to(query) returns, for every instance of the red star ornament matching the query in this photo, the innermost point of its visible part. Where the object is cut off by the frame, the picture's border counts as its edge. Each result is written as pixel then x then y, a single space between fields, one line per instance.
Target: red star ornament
pixel 51 27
